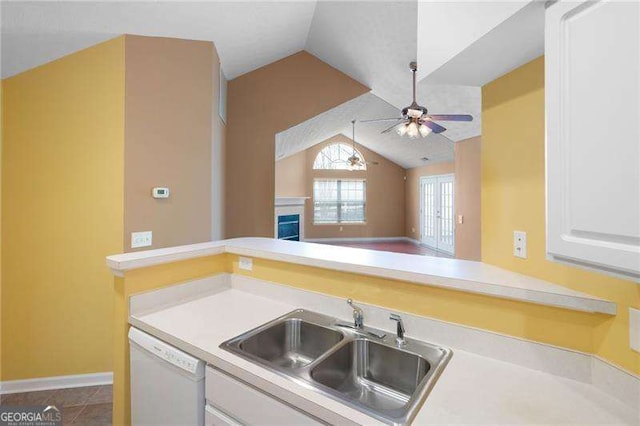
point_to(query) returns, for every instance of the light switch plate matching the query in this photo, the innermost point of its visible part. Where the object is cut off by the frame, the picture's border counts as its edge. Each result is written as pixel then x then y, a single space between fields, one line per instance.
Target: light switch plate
pixel 245 263
pixel 634 329
pixel 520 244
pixel 141 239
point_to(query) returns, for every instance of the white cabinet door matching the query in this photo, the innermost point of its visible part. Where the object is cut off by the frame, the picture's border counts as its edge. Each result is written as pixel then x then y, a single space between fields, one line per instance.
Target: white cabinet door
pixel 247 405
pixel 592 57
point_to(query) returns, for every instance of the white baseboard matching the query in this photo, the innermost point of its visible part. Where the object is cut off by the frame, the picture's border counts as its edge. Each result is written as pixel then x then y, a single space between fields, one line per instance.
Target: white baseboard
pixel 414 241
pixel 56 382
pixel 355 240
pixel 421 244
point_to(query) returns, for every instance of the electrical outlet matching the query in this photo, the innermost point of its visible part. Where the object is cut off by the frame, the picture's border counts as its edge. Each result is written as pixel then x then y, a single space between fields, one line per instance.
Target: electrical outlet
pixel 141 239
pixel 634 329
pixel 245 263
pixel 520 244
pixel 460 219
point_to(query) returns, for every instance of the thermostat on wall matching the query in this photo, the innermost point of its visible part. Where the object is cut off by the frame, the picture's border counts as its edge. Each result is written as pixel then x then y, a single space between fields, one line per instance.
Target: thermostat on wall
pixel 160 192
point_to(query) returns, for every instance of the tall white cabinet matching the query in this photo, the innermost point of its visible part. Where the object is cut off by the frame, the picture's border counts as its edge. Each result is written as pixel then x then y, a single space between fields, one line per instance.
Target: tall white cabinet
pixel 592 91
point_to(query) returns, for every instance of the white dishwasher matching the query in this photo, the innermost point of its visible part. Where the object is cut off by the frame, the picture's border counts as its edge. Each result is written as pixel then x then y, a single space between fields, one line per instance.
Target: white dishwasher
pixel 167 385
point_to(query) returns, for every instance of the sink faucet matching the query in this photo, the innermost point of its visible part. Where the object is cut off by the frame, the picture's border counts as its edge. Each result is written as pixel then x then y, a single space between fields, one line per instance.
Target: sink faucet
pixel 400 334
pixel 358 316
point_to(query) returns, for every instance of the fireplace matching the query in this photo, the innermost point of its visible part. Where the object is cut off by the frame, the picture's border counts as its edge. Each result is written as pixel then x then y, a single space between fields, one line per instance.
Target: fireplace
pixel 289 218
pixel 289 227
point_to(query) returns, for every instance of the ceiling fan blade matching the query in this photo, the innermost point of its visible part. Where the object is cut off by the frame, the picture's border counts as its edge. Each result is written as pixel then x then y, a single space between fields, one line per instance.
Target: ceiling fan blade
pixel 373 163
pixel 375 120
pixel 450 117
pixel 387 130
pixel 435 127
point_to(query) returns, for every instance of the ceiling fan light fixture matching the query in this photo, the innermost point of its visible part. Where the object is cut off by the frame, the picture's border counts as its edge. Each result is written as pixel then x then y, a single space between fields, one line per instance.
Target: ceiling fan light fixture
pixel 413 118
pixel 412 130
pixel 415 112
pixel 424 130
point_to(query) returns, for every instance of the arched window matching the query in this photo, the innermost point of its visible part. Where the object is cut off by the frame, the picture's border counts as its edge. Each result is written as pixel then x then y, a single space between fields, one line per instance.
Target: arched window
pixel 336 157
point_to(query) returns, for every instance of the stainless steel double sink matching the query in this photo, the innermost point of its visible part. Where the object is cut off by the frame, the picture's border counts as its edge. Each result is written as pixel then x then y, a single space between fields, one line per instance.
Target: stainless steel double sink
pixel 363 368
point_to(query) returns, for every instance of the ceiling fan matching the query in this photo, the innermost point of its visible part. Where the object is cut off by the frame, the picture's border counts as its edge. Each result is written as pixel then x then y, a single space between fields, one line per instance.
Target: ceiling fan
pixel 415 120
pixel 354 161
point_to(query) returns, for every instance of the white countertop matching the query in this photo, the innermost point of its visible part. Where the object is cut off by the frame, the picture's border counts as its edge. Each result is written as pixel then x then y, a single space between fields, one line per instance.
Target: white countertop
pixel 472 388
pixel 460 275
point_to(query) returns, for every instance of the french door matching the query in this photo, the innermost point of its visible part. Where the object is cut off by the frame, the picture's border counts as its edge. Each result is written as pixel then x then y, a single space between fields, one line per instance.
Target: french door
pixel 437 213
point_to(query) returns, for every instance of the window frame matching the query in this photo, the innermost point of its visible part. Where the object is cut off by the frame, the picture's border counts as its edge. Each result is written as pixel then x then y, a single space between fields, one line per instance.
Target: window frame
pixel 342 161
pixel 338 203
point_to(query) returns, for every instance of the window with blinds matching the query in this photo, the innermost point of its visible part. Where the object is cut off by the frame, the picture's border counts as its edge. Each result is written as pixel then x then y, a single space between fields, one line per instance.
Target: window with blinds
pixel 339 200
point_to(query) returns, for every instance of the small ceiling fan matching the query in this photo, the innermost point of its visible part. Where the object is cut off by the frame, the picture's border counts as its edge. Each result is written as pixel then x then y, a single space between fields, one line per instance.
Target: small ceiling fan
pixel 354 161
pixel 415 120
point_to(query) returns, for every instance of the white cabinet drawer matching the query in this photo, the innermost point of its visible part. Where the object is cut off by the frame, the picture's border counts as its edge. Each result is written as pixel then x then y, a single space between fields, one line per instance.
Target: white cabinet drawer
pixel 215 417
pixel 248 405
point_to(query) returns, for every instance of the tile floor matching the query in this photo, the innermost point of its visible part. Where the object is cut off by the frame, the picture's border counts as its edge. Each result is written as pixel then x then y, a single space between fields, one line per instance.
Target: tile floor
pixel 89 405
pixel 394 246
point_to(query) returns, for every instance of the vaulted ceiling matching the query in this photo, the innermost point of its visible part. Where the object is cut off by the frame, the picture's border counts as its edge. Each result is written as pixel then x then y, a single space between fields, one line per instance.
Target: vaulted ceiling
pixel 456 43
pixel 405 152
pixel 247 35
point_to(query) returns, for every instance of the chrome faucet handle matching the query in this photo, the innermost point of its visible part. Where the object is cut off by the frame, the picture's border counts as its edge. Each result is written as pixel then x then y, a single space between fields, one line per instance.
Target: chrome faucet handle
pixel 358 315
pixel 400 329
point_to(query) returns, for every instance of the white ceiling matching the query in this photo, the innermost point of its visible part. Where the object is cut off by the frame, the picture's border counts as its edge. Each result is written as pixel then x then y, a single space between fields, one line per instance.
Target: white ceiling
pixel 248 35
pixel 371 41
pixel 516 41
pixel 446 28
pixel 403 151
pixel 458 45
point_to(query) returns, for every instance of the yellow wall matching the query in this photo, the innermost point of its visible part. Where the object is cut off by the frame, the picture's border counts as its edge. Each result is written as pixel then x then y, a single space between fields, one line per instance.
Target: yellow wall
pixel 570 329
pixel 513 198
pixel 591 333
pixel 62 212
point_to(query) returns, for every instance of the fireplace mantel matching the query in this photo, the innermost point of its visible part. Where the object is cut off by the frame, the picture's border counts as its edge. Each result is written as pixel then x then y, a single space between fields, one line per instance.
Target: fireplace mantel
pixel 290 201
